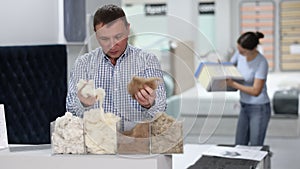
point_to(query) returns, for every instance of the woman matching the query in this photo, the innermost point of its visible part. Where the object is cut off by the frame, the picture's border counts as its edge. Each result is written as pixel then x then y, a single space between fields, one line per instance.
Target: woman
pixel 255 103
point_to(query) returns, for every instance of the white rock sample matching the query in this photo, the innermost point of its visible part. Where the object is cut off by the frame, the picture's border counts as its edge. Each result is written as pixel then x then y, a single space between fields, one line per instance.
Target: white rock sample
pixel 100 135
pixel 88 88
pixel 67 135
pixel 100 129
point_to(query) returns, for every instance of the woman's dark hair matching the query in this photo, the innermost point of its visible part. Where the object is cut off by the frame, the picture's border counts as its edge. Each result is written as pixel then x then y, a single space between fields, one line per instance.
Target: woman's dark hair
pixel 108 14
pixel 250 40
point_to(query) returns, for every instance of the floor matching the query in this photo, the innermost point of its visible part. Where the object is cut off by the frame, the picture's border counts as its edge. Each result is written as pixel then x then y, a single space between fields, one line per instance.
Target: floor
pixel 285 150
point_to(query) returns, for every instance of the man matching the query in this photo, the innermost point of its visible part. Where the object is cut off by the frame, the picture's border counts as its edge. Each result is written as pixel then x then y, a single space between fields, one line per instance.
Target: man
pixel 112 67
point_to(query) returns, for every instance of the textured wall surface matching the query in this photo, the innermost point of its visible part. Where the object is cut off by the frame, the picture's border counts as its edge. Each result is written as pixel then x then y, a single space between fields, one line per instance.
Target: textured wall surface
pixel 33 86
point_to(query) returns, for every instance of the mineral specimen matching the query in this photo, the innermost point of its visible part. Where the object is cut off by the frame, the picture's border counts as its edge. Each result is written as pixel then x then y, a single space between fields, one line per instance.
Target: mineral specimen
pixel 136 140
pixel 100 128
pixel 67 135
pixel 166 135
pixel 137 83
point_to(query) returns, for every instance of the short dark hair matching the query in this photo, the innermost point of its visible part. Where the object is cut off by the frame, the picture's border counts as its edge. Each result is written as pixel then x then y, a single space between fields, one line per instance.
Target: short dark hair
pixel 250 40
pixel 108 14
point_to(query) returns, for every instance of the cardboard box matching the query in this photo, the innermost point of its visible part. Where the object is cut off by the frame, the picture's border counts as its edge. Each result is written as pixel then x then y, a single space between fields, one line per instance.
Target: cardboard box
pixel 212 76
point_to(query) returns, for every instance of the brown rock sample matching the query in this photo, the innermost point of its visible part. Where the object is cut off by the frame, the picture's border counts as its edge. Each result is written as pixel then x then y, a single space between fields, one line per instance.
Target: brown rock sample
pixel 136 140
pixel 138 83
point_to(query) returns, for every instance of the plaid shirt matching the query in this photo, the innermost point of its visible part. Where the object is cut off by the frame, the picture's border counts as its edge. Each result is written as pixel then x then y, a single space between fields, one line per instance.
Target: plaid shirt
pixel 114 79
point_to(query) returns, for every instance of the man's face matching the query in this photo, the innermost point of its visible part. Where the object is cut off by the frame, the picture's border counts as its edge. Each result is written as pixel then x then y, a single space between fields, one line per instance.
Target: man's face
pixel 113 37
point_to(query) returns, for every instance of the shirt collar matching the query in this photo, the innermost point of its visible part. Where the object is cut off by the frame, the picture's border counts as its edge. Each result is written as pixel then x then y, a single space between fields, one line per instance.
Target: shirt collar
pixel 123 55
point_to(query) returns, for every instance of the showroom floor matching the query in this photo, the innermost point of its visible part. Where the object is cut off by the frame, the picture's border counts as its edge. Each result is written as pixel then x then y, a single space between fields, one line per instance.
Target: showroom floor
pixel 285 150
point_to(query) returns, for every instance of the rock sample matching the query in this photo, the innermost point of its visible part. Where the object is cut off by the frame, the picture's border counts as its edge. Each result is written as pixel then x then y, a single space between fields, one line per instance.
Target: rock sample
pixel 136 140
pixel 67 135
pixel 88 89
pixel 166 135
pixel 137 83
pixel 100 132
pixel 100 129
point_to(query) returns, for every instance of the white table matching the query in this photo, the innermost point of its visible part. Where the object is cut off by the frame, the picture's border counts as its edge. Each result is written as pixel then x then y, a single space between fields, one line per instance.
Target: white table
pixel 41 158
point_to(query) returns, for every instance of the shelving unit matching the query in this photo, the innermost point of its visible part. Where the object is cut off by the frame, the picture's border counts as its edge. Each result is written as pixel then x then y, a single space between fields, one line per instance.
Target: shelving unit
pixel 259 16
pixel 289 35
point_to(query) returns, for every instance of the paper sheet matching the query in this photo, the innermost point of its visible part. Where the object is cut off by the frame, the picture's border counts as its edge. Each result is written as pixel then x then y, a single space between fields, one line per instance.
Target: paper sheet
pixel 3 131
pixel 238 153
